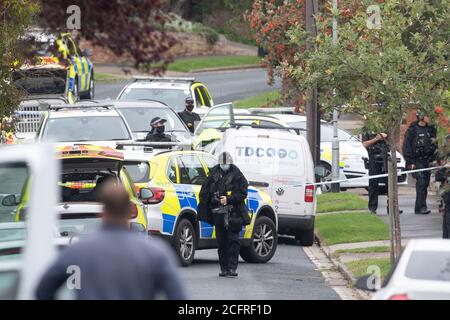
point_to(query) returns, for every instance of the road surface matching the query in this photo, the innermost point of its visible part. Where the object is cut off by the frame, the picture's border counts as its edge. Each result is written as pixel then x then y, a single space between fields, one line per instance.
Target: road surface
pixel 225 86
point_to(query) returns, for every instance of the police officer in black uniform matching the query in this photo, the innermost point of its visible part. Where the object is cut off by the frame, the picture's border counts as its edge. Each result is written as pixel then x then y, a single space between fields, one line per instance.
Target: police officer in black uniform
pixel 378 150
pixel 419 148
pixel 188 116
pixel 222 204
pixel 156 133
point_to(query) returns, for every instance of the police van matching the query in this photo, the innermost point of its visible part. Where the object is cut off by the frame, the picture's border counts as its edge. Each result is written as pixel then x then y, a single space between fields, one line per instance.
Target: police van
pixel 279 162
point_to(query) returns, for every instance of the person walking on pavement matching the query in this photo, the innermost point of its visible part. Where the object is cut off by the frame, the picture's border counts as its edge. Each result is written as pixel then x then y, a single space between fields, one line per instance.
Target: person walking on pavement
pixel 419 148
pixel 189 117
pixel 378 150
pixel 157 132
pixel 115 263
pixel 222 204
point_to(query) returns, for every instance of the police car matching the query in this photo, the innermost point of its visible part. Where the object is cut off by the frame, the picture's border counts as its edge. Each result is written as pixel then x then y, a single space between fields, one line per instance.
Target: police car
pixel 86 123
pixel 174 179
pixel 171 91
pixel 70 72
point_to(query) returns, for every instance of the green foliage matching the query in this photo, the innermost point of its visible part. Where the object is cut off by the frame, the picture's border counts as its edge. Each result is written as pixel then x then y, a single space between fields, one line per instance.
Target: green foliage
pixel 376 249
pixel 266 99
pixel 331 202
pixel 379 73
pixel 351 227
pixel 16 16
pixel 359 267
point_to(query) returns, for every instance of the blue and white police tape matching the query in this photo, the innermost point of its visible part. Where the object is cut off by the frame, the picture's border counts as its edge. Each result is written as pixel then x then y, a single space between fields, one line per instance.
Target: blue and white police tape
pixel 384 175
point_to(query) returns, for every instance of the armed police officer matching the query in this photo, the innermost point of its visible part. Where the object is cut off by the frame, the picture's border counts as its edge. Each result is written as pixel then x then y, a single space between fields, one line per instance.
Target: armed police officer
pixel 157 132
pixel 189 117
pixel 378 150
pixel 222 204
pixel 419 148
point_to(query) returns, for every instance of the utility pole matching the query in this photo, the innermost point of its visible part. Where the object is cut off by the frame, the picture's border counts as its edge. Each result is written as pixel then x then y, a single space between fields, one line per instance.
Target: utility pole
pixel 312 110
pixel 335 187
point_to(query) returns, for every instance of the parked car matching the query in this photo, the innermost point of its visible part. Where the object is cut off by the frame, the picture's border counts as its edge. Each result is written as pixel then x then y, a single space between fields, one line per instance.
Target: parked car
pixel 88 123
pixel 421 273
pixel 171 91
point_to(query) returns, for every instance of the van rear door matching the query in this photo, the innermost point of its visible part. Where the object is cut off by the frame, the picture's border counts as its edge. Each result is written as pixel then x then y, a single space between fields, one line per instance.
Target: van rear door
pixel 272 157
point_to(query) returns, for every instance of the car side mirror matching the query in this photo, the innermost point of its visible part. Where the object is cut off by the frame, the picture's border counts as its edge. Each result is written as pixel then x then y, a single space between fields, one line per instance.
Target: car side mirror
pixel 320 172
pixel 145 194
pixel 9 201
pixel 87 52
pixel 367 283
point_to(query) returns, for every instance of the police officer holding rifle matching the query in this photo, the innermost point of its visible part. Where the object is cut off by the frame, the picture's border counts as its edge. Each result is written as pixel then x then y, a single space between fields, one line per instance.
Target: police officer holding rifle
pixel 222 204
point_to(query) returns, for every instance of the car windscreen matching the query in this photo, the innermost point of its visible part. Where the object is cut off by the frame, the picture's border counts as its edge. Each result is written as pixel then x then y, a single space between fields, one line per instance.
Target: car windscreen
pixel 41 81
pixel 429 265
pixel 174 98
pixel 96 128
pixel 326 131
pixel 139 118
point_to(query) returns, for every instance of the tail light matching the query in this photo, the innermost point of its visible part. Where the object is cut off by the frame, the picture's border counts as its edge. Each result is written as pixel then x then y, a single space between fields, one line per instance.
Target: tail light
pixel 399 297
pixel 134 211
pixel 158 195
pixel 309 193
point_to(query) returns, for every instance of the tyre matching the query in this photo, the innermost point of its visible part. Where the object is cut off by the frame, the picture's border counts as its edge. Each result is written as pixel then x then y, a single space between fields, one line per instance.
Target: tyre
pixel 306 237
pixel 91 92
pixel 264 242
pixel 185 242
pixel 75 91
pixel 327 177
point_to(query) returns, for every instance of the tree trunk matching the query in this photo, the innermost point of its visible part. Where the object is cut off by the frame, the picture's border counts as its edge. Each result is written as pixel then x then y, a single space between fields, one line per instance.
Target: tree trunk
pixel 395 230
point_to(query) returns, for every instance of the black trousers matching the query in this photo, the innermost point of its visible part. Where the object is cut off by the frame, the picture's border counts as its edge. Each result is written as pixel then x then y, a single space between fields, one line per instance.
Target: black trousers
pixel 228 245
pixel 446 224
pixel 422 183
pixel 375 168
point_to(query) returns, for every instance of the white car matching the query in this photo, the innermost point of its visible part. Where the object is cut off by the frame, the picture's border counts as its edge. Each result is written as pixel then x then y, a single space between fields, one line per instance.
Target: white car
pixel 351 152
pixel 90 123
pixel 421 273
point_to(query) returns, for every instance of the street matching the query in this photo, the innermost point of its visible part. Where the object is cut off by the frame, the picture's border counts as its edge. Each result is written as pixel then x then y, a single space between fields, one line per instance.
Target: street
pixel 290 275
pixel 226 86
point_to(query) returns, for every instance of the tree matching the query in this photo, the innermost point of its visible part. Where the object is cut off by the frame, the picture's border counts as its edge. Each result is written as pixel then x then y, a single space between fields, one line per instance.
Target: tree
pixel 15 17
pixel 133 28
pixel 379 71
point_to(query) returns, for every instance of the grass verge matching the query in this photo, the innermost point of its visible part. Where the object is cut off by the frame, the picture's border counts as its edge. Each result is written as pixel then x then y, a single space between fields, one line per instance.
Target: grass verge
pixel 201 63
pixel 351 227
pixel 359 267
pixel 266 99
pixel 343 201
pixel 376 249
pixel 107 77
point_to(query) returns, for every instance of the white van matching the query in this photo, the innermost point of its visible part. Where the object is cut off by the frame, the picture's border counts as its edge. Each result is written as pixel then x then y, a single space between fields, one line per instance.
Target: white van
pixel 280 163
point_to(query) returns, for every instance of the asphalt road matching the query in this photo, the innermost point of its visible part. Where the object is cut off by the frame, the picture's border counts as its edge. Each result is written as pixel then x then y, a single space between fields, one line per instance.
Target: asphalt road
pixel 290 275
pixel 225 86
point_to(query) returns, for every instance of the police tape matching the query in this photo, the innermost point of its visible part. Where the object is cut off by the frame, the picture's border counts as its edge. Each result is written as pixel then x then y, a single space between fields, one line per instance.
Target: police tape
pixel 384 175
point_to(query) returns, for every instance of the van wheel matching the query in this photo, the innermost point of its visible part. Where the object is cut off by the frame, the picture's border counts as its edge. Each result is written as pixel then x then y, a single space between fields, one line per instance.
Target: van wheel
pixel 328 177
pixel 184 242
pixel 306 237
pixel 264 242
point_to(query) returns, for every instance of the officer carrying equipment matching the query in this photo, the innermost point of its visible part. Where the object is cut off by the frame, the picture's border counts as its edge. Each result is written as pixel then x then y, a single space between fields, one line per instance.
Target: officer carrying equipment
pixel 222 204
pixel 419 150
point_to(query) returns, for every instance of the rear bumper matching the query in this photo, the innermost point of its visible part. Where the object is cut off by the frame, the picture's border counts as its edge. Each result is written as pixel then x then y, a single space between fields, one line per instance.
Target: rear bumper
pixel 292 224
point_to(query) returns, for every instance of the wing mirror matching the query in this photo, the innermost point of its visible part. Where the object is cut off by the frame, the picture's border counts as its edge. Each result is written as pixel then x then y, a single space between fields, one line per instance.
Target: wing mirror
pixel 319 172
pixel 10 201
pixel 145 195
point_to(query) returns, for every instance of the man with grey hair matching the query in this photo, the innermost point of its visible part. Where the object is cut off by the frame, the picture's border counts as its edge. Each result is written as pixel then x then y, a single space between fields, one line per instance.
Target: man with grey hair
pixel 222 204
